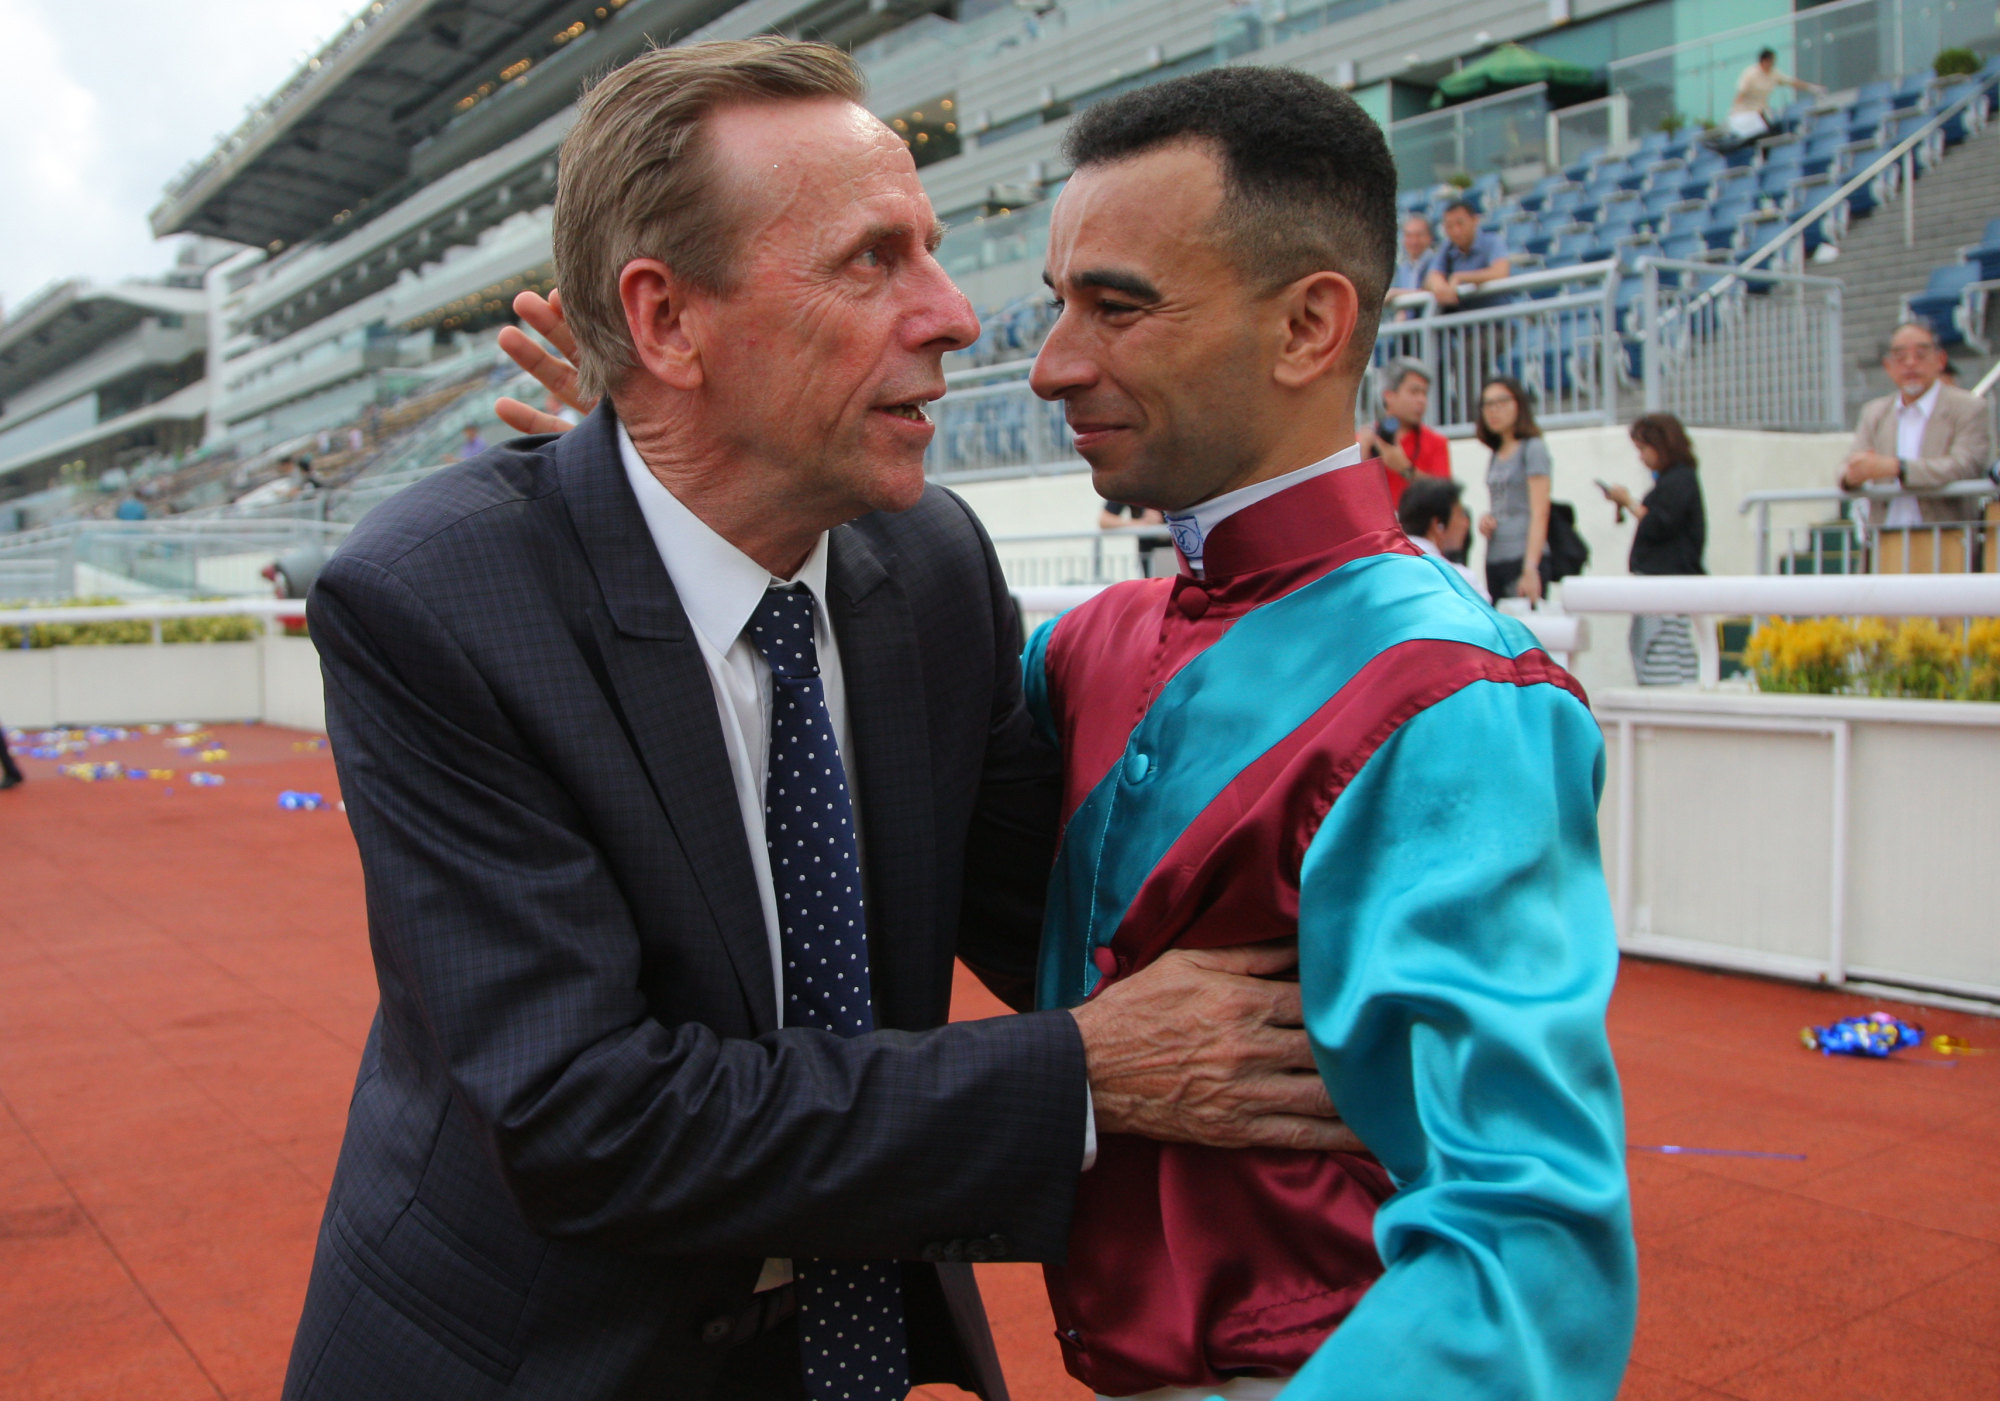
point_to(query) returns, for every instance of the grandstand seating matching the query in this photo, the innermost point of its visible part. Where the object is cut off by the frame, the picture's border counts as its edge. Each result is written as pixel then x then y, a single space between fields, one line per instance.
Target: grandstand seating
pixel 1955 298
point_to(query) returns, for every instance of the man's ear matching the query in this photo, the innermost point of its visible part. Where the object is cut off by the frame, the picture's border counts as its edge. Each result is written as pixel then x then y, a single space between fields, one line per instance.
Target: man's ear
pixel 656 308
pixel 1321 311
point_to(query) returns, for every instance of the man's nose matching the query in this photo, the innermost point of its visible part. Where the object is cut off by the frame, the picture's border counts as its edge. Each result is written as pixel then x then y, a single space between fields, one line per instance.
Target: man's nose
pixel 1060 366
pixel 948 321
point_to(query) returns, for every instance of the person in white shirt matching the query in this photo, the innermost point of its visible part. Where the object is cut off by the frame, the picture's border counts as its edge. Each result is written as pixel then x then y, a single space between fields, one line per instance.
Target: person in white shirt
pixel 1927 434
pixel 1432 513
pixel 1750 111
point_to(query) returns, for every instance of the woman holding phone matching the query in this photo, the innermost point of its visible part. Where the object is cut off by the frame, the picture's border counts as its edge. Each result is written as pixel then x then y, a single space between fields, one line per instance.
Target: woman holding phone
pixel 1671 534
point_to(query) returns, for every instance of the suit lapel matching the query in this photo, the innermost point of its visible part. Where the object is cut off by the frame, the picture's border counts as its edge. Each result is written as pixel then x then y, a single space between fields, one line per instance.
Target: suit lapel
pixel 660 682
pixel 1938 428
pixel 888 716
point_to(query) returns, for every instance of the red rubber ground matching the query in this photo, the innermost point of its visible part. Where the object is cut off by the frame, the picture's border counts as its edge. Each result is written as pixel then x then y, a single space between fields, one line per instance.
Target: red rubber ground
pixel 184 987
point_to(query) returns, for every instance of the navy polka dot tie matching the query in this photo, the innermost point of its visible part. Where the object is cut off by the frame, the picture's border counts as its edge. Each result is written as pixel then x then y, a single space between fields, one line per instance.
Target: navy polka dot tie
pixel 851 1339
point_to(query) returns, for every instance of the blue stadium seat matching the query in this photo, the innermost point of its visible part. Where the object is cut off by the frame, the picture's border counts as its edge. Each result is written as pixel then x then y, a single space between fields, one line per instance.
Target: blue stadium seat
pixel 1517 235
pixel 1938 302
pixel 1881 90
pixel 1865 119
pixel 1986 254
pixel 1824 153
pixel 1686 248
pixel 1721 229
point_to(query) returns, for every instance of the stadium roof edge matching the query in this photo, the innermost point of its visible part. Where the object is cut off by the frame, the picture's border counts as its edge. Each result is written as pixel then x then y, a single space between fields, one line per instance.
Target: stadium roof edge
pixel 373 28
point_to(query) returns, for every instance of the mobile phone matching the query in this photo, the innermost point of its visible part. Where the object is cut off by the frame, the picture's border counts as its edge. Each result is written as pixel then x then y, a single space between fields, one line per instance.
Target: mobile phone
pixel 1602 485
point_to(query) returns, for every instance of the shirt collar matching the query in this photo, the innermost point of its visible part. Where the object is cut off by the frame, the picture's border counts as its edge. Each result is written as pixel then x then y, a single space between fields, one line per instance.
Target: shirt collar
pixel 718 585
pixel 1192 528
pixel 1923 403
pixel 1423 543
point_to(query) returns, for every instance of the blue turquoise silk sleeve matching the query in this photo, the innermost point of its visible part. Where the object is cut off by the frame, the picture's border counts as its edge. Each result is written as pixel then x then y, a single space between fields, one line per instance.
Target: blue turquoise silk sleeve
pixel 1456 957
pixel 1035 681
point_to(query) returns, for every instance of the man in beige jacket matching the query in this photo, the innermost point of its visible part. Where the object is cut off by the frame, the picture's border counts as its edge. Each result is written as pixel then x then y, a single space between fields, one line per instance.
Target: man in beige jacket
pixel 1927 434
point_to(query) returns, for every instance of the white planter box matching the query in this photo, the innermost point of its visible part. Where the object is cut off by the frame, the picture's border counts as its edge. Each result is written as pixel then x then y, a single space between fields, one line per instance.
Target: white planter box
pixel 1828 838
pixel 275 679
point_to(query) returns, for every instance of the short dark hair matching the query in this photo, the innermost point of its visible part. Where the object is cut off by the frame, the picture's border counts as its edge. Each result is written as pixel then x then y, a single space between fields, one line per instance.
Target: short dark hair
pixel 1308 183
pixel 1764 55
pixel 1525 426
pixel 1662 432
pixel 1460 206
pixel 1400 369
pixel 1427 501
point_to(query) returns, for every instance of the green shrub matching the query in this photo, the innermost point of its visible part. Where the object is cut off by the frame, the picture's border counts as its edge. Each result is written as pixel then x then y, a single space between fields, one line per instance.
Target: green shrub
pixel 1952 63
pixel 124 632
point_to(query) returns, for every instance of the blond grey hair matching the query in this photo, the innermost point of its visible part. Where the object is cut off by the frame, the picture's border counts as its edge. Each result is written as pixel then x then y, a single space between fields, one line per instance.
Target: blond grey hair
pixel 638 181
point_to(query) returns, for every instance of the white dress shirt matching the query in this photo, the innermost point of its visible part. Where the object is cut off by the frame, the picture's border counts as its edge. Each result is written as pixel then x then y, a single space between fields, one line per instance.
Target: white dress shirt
pixel 720 587
pixel 1911 421
pixel 1192 527
pixel 1478 584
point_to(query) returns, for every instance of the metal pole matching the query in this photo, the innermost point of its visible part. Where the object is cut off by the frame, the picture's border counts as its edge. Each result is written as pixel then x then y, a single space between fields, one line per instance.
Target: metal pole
pixel 1763 537
pixel 1836 933
pixel 1909 197
pixel 1649 345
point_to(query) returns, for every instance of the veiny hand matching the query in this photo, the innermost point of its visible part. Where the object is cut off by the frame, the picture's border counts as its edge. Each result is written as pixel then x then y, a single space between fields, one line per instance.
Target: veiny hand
pixel 556 372
pixel 1207 1046
pixel 1488 524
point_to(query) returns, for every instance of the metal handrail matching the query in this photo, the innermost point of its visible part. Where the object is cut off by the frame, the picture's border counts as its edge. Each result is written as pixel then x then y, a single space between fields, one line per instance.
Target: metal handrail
pixel 1881 163
pixel 1879 493
pixel 1987 381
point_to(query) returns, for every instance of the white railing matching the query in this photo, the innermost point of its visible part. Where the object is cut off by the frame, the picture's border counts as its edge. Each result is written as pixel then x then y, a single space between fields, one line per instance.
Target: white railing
pixel 1083 557
pixel 1839 546
pixel 183 555
pixel 1750 350
pixel 1706 598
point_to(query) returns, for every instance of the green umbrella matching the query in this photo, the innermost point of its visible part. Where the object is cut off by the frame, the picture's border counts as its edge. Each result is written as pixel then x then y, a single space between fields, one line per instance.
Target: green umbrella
pixel 1510 66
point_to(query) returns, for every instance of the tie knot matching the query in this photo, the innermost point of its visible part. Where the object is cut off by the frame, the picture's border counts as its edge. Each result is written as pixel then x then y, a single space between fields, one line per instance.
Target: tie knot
pixel 782 629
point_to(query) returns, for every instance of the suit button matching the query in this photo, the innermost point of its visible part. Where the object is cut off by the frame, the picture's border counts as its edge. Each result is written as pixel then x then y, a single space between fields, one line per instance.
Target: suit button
pixel 933 1251
pixel 1192 603
pixel 717 1331
pixel 976 1251
pixel 999 1246
pixel 1106 961
pixel 954 1251
pixel 1137 766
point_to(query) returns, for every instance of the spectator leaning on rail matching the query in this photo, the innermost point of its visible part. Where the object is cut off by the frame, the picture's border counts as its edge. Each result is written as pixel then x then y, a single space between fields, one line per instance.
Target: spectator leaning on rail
pixel 1926 434
pixel 1669 539
pixel 1400 439
pixel 1516 523
pixel 1432 514
pixel 1407 283
pixel 1465 261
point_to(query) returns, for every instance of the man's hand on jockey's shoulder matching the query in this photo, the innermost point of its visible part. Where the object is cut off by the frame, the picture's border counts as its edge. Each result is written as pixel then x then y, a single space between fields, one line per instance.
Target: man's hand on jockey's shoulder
pixel 557 372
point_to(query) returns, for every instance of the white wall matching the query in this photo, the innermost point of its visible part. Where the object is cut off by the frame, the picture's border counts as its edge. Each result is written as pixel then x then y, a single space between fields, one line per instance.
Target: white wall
pixel 275 679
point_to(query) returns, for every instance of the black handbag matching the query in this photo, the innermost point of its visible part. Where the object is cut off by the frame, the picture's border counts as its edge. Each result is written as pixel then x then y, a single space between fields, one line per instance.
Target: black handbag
pixel 1565 553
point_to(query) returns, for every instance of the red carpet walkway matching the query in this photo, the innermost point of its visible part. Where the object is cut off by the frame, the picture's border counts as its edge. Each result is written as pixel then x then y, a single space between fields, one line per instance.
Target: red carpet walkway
pixel 184 988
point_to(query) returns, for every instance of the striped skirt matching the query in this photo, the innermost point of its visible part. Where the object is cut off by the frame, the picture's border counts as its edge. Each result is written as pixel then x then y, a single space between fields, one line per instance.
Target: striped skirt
pixel 1663 651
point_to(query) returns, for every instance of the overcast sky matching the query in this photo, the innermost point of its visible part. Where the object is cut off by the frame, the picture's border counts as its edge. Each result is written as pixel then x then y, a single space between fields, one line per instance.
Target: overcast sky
pixel 102 101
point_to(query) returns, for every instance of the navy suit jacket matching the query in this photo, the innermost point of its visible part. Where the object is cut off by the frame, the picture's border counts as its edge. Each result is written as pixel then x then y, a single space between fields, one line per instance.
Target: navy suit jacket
pixel 576 1132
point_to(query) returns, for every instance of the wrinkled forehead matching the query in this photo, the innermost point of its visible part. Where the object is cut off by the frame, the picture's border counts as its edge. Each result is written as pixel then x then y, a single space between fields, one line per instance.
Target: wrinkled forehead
pixel 815 164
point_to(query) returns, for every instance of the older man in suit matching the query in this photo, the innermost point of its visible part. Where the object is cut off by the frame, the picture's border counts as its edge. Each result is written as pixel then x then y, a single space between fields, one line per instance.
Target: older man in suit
pixel 1926 434
pixel 684 752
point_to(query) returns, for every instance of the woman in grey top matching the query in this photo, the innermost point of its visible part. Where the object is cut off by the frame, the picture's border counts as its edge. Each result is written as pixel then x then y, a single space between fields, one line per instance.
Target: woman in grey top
pixel 1516 525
